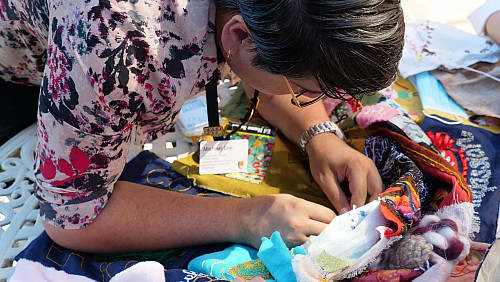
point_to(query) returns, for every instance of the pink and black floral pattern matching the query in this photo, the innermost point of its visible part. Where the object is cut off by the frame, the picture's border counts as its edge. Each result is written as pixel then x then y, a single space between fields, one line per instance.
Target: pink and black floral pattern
pixel 105 67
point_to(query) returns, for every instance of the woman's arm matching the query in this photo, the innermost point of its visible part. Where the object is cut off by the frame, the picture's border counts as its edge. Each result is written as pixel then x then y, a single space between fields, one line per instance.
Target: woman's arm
pixel 142 218
pixel 492 28
pixel 331 160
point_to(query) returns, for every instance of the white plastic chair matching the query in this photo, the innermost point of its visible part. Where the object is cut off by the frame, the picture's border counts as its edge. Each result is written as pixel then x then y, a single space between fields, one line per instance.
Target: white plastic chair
pixel 19 214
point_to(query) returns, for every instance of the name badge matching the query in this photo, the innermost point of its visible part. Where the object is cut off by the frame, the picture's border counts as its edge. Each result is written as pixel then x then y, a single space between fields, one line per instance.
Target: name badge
pixel 223 156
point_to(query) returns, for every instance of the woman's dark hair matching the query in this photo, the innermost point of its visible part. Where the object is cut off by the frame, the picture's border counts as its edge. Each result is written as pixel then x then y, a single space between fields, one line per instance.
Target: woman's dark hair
pixel 354 45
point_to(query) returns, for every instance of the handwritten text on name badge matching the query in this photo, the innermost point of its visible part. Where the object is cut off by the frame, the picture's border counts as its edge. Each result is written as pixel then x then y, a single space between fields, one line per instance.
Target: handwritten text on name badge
pixel 223 156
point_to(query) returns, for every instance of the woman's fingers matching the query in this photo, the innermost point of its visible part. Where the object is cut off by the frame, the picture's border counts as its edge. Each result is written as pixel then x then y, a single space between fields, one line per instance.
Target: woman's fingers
pixel 321 213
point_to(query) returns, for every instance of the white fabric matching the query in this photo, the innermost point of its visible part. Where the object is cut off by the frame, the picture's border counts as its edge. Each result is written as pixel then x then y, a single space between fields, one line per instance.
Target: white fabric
pixel 29 271
pixel 144 271
pixel 462 215
pixel 478 17
pixel 490 269
pixel 357 235
pixel 429 45
pixel 498 224
pixel 433 95
pixel 452 12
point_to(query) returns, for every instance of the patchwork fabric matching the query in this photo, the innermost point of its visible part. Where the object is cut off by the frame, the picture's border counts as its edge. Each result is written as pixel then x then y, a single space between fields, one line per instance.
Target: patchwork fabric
pixel 251 269
pixel 388 275
pixel 222 263
pixel 401 204
pixel 433 165
pixel 334 255
pixel 407 189
pixel 474 153
pixel 287 173
pixel 273 261
pixel 394 165
pixel 419 181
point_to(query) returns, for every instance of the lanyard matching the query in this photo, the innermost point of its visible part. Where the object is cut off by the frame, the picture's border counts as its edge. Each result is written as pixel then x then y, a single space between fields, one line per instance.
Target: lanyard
pixel 214 129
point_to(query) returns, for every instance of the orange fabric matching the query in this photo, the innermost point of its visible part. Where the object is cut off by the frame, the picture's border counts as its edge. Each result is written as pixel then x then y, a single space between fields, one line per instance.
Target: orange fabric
pixel 433 164
pixel 402 198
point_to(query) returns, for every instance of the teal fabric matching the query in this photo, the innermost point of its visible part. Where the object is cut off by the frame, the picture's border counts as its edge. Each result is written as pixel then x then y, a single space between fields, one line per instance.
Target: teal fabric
pixel 273 253
pixel 277 257
pixel 217 264
pixel 433 95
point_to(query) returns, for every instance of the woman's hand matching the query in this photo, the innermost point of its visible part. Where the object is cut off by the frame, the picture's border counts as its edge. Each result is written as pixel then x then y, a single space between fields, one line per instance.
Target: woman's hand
pixel 295 219
pixel 332 161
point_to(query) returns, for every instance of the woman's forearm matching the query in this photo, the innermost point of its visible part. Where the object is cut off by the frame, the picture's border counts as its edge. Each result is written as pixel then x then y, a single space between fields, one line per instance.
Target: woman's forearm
pixel 141 218
pixel 291 120
pixel 492 28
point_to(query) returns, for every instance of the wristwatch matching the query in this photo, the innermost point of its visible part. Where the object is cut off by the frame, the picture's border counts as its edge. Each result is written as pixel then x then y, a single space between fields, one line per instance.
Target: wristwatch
pixel 327 126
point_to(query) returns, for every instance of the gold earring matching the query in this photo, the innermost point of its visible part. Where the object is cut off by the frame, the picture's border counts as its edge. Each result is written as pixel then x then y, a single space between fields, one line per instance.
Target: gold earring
pixel 228 54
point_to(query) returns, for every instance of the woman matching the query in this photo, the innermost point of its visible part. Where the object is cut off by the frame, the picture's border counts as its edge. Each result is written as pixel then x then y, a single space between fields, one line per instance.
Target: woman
pixel 486 20
pixel 106 66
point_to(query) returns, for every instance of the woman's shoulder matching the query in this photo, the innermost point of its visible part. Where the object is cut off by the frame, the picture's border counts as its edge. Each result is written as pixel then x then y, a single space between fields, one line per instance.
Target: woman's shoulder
pixel 480 15
pixel 134 55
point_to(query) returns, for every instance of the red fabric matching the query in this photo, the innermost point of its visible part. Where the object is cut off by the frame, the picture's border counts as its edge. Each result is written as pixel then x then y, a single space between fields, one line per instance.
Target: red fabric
pixel 389 215
pixel 388 275
pixel 398 204
pixel 433 164
pixel 430 162
pixel 466 268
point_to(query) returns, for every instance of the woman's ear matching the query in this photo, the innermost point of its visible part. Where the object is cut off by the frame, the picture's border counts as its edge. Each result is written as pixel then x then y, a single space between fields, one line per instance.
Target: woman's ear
pixel 235 35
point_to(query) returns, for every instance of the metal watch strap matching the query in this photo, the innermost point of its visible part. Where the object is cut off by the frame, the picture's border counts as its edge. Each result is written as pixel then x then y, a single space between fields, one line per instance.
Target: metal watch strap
pixel 327 126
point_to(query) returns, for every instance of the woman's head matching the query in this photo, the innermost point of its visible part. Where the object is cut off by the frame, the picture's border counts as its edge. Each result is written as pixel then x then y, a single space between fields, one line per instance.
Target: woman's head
pixel 353 45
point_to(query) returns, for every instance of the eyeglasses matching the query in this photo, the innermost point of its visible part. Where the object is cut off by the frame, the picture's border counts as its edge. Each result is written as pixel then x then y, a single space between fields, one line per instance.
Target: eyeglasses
pixel 296 101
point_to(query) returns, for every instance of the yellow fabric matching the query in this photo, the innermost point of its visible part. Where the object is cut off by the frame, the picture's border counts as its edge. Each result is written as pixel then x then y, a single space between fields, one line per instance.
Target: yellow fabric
pixel 408 97
pixel 251 269
pixel 494 129
pixel 287 173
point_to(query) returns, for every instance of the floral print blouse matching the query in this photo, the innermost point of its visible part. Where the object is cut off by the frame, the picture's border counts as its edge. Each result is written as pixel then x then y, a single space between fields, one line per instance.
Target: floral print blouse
pixel 105 67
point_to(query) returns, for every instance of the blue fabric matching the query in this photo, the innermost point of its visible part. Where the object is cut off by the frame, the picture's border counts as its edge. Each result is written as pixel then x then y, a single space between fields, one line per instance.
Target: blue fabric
pixel 433 95
pixel 148 169
pixel 217 264
pixel 481 149
pixel 273 253
pixel 277 257
pixel 48 253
